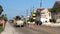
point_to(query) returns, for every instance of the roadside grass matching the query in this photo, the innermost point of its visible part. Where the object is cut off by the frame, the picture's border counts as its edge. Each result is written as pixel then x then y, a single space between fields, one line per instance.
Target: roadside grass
pixel 1 29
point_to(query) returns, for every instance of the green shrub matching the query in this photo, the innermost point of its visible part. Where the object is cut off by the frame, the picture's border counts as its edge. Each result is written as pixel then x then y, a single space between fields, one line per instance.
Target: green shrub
pixel 1 29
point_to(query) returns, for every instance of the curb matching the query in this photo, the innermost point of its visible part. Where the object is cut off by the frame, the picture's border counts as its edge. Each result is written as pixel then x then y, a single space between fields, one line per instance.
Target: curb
pixel 51 24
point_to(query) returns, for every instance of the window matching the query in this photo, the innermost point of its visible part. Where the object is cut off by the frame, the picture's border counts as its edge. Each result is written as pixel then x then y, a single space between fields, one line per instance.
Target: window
pixel 42 13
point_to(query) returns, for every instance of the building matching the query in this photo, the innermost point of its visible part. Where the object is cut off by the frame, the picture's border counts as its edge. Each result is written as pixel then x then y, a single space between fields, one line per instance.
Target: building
pixel 45 15
pixel 57 4
pixel 56 10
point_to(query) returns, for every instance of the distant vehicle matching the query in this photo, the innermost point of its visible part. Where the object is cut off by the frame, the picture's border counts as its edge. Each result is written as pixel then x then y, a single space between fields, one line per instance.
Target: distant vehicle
pixel 11 21
pixel 19 22
pixel 30 22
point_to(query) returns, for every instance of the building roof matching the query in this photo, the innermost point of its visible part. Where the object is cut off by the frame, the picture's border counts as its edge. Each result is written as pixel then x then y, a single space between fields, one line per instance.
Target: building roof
pixel 49 9
pixel 58 2
pixel 41 9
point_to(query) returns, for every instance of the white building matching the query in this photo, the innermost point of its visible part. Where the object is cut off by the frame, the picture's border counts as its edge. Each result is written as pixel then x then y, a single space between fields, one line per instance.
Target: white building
pixel 45 15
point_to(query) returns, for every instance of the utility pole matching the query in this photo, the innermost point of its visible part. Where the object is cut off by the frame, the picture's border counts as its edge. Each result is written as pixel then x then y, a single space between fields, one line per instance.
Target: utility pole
pixel 26 15
pixel 33 8
pixel 30 12
pixel 40 8
pixel 40 3
pixel 26 12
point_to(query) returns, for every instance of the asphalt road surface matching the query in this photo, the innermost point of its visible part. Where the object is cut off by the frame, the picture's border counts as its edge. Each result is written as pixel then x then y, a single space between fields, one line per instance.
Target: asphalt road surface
pixel 42 30
pixel 25 30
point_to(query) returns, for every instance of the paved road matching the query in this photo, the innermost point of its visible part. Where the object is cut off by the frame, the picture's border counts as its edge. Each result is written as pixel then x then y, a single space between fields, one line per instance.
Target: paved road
pixel 25 30
pixel 53 30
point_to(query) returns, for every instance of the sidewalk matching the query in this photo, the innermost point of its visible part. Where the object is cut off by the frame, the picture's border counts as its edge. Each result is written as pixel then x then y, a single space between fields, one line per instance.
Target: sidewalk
pixel 9 29
pixel 52 24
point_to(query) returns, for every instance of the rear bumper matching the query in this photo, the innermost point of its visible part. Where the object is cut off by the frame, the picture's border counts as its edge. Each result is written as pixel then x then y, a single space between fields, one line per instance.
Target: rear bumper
pixel 19 24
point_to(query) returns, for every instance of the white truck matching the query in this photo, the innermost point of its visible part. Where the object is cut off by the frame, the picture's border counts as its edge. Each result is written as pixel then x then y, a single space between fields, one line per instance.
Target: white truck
pixel 19 23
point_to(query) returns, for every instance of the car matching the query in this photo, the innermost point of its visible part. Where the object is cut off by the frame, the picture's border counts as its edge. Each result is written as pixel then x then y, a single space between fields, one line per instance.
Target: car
pixel 11 21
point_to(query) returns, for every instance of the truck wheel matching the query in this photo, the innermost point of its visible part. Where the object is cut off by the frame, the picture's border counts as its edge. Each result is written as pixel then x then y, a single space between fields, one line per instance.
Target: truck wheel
pixel 22 25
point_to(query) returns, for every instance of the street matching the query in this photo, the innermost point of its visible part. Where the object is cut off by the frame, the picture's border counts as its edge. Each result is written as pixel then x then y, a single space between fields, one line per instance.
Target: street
pixel 40 30
pixel 28 30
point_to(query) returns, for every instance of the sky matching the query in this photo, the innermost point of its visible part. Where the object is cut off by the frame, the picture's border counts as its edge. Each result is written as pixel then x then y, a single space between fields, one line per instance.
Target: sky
pixel 19 7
